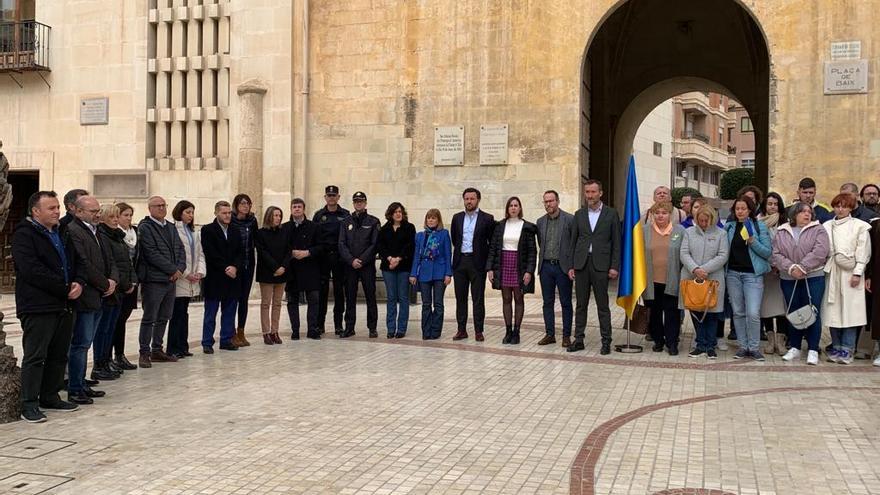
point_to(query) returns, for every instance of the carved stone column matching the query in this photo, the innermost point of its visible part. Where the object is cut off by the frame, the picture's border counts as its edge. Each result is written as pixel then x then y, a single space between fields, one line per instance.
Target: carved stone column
pixel 250 148
pixel 10 374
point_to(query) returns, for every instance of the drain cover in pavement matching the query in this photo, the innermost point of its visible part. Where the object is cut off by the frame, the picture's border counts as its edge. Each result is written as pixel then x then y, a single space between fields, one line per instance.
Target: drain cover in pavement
pixel 31 483
pixel 32 448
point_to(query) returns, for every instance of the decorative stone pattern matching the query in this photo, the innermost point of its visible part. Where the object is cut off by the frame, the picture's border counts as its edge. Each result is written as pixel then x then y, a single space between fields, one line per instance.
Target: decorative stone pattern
pixel 188 84
pixel 10 374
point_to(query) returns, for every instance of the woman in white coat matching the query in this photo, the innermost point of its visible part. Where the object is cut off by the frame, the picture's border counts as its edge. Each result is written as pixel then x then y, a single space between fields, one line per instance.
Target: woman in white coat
pixel 188 286
pixel 843 307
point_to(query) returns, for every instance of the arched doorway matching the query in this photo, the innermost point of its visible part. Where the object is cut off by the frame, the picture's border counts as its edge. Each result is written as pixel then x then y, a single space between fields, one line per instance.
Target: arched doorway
pixel 646 51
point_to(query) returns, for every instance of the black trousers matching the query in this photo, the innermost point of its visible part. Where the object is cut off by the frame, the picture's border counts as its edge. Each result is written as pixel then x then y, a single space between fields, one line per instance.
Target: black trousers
pixel 178 327
pixel 45 342
pixel 311 311
pixel 367 277
pixel 587 281
pixel 129 303
pixel 335 268
pixel 469 278
pixel 665 321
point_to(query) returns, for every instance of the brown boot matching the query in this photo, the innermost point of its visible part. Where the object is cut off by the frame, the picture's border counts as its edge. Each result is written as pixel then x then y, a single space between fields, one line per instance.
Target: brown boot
pixel 235 340
pixel 566 341
pixel 242 341
pixel 548 339
pixel 277 339
pixel 267 339
pixel 144 360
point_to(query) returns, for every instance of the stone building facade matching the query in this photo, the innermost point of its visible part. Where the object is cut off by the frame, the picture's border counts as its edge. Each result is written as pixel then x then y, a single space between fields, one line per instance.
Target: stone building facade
pixel 210 97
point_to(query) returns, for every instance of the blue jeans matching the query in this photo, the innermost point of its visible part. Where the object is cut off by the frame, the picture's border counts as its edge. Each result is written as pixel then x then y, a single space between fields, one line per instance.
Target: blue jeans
pixel 432 308
pixel 553 278
pixel 83 334
pixel 103 340
pixel 705 330
pixel 397 288
pixel 844 338
pixel 227 321
pixel 746 291
pixel 817 291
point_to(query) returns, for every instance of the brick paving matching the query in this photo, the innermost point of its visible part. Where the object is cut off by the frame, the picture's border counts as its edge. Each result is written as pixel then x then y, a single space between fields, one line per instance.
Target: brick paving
pixel 377 416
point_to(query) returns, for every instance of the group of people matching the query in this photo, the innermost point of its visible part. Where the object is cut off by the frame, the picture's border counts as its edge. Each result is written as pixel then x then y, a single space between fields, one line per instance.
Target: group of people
pixel 78 277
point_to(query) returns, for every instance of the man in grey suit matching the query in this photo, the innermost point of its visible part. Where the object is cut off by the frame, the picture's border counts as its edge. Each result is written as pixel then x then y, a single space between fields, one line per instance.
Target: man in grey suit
pixel 595 246
pixel 553 266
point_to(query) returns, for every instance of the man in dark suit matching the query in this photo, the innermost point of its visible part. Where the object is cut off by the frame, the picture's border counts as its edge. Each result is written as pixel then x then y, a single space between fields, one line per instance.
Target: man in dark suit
pixel 224 259
pixel 553 266
pixel 100 274
pixel 304 270
pixel 471 234
pixel 595 247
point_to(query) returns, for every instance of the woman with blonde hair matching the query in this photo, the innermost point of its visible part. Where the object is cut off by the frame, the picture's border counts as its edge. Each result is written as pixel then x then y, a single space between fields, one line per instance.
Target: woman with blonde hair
pixel 273 259
pixel 663 238
pixel 432 270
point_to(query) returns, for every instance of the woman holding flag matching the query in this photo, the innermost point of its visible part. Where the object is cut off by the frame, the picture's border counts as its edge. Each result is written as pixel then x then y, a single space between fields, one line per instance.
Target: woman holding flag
pixel 750 250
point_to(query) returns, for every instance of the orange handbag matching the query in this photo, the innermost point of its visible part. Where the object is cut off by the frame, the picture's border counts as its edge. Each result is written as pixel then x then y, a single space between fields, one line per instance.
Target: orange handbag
pixel 699 295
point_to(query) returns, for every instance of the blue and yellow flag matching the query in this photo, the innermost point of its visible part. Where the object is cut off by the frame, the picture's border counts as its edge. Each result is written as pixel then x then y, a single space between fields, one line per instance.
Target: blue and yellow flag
pixel 633 267
pixel 747 230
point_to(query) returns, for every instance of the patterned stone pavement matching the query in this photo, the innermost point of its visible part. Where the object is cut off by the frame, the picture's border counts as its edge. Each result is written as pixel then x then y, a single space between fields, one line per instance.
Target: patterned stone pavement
pixel 384 416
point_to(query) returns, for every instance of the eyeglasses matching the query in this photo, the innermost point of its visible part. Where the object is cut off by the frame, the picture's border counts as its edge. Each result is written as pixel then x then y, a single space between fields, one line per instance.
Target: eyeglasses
pixel 94 211
pixel 163 205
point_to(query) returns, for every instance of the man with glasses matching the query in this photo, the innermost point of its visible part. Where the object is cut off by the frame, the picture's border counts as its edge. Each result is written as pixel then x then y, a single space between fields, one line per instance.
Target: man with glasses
pixel 99 275
pixel 328 219
pixel 161 261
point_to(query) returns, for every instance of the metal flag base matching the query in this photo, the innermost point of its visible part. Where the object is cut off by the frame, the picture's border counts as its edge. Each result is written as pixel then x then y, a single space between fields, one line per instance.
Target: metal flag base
pixel 628 348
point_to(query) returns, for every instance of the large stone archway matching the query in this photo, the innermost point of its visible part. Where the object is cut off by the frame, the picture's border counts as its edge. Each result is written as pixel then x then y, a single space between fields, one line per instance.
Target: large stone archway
pixel 646 51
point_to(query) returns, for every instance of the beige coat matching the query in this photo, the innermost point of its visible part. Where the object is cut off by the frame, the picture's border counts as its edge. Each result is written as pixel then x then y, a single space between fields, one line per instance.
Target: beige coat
pixel 844 306
pixel 195 263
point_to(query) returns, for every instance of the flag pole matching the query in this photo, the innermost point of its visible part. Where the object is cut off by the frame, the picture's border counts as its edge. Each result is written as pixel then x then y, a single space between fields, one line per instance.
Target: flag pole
pixel 629 348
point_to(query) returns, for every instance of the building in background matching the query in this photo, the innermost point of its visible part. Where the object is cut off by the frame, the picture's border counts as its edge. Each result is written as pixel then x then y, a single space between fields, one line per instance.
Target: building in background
pixel 741 135
pixel 652 150
pixel 701 149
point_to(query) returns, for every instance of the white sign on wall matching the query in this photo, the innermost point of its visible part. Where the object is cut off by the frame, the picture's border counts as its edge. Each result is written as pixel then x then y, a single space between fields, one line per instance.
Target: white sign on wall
pixel 846 50
pixel 846 77
pixel 493 144
pixel 94 111
pixel 449 145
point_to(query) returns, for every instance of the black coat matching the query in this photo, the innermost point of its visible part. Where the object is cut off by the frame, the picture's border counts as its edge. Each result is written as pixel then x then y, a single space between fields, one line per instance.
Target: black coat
pixel 482 238
pixel 247 229
pixel 327 224
pixel 305 274
pixel 94 265
pixel 526 255
pixel 113 240
pixel 396 244
pixel 358 235
pixel 160 251
pixel 221 252
pixel 273 251
pixel 39 274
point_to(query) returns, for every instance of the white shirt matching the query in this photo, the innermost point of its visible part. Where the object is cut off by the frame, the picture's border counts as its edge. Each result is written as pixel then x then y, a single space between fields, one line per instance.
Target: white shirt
pixel 467 231
pixel 225 229
pixel 512 230
pixel 593 216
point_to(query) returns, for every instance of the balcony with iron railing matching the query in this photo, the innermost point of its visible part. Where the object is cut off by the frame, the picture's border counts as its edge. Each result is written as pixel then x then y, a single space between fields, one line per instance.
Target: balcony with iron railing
pixel 695 146
pixel 24 46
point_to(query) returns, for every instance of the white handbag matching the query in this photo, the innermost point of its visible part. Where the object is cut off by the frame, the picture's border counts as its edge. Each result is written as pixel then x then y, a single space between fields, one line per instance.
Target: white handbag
pixel 804 316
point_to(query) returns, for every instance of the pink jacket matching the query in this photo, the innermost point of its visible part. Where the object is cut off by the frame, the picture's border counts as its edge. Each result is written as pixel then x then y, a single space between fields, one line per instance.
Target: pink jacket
pixel 810 251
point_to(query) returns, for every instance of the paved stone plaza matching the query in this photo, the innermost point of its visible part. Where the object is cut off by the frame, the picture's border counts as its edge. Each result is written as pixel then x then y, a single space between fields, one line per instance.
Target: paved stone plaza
pixel 405 416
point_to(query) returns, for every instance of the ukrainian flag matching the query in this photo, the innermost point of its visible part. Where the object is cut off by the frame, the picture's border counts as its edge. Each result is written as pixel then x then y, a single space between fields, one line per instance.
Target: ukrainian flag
pixel 633 267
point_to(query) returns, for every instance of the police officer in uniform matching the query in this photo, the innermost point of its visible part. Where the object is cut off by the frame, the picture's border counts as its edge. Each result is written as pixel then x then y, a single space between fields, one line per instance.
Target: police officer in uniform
pixel 358 235
pixel 328 220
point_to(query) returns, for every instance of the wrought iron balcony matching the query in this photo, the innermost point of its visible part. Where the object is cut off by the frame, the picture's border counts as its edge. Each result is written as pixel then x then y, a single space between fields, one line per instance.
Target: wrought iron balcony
pixel 24 46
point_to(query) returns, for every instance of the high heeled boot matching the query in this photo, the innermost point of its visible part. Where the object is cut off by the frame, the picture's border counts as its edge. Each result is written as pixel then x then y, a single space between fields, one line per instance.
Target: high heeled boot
pixel 508 335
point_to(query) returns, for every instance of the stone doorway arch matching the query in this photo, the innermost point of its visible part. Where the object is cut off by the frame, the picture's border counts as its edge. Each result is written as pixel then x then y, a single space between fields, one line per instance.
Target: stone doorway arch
pixel 646 51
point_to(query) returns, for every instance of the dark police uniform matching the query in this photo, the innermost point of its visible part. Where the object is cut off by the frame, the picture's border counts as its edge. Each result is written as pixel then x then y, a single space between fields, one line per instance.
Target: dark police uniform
pixel 327 223
pixel 358 236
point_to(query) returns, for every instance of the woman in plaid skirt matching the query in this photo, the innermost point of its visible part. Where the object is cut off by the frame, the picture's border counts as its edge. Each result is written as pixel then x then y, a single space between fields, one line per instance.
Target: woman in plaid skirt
pixel 511 264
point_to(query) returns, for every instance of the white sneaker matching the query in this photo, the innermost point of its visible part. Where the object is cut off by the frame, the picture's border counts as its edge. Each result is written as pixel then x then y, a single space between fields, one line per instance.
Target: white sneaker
pixel 721 344
pixel 813 358
pixel 792 354
pixel 877 361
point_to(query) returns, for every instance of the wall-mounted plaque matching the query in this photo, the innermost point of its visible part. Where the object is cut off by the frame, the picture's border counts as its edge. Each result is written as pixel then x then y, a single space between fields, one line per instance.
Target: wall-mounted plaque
pixel 94 111
pixel 846 50
pixel 449 145
pixel 493 144
pixel 846 77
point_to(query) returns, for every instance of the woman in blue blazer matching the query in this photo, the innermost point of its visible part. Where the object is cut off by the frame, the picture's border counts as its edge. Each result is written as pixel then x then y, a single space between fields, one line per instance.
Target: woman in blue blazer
pixel 432 269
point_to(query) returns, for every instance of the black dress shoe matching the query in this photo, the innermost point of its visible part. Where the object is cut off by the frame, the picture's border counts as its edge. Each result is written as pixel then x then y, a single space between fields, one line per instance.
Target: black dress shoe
pixel 102 374
pixel 90 383
pixel 186 354
pixel 657 347
pixel 229 347
pixel 374 334
pixel 606 349
pixel 79 398
pixel 123 363
pixel 673 350
pixel 207 349
pixel 114 368
pixel 575 346
pixel 346 334
pixel 90 392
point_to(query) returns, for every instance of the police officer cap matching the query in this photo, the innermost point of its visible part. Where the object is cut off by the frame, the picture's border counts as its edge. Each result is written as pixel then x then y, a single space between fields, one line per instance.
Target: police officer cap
pixel 331 190
pixel 359 196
